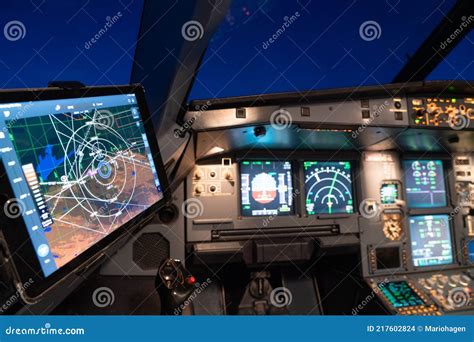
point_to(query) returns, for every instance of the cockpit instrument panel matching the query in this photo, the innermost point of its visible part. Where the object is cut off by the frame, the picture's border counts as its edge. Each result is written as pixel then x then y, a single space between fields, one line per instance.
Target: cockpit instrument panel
pixel 328 187
pixel 266 188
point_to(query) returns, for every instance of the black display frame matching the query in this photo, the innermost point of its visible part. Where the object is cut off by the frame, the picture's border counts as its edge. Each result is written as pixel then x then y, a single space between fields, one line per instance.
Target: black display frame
pixel 15 235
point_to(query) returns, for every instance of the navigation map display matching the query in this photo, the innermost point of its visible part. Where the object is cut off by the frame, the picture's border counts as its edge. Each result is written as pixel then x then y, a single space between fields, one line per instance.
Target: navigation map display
pixel 266 188
pixel 328 187
pixel 424 181
pixel 80 168
pixel 431 240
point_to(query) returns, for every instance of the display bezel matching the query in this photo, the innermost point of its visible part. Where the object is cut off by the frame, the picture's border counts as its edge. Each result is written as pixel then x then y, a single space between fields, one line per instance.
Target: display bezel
pixel 239 196
pixel 18 242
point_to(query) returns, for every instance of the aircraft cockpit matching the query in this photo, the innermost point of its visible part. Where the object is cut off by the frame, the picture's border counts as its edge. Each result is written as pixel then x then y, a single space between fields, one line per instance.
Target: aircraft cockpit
pixel 237 158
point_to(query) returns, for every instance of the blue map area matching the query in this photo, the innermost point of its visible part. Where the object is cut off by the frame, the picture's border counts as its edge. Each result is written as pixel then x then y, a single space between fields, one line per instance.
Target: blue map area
pixel 48 162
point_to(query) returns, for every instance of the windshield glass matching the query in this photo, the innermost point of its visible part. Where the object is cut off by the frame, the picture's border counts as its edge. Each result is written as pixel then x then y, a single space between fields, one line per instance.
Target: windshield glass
pixel 294 46
pixel 458 65
pixel 88 41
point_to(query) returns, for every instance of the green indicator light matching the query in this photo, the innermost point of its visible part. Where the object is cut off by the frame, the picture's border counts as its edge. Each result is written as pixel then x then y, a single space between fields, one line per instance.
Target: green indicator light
pixel 257 163
pixel 245 163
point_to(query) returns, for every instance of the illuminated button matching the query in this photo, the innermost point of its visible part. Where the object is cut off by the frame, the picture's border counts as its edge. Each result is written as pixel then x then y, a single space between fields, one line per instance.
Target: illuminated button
pixel 191 280
pixel 43 250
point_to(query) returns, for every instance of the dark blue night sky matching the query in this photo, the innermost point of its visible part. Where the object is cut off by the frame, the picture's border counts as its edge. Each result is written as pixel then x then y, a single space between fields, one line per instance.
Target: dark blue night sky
pixel 236 62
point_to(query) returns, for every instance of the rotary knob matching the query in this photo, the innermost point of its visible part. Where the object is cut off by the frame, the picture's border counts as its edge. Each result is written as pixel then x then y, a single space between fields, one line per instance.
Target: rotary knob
pixel 464 280
pixel 228 175
pixel 199 189
pixel 198 174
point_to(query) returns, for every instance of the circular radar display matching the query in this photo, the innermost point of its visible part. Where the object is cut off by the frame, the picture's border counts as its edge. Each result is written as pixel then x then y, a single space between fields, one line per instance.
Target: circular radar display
pixel 99 171
pixel 328 187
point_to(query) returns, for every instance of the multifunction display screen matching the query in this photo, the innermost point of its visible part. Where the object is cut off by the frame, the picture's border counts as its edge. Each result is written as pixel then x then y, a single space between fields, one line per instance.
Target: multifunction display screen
pixel 328 187
pixel 266 188
pixel 431 243
pixel 424 182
